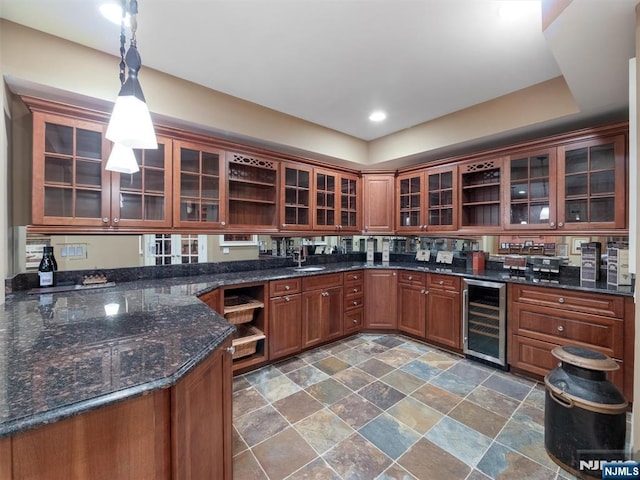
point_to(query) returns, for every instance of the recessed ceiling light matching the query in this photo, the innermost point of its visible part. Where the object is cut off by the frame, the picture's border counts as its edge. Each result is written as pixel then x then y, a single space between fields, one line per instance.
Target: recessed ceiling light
pixel 377 116
pixel 113 13
pixel 513 10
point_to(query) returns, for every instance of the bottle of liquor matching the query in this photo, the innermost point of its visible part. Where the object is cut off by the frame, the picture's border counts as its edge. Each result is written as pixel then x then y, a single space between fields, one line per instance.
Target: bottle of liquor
pixel 47 266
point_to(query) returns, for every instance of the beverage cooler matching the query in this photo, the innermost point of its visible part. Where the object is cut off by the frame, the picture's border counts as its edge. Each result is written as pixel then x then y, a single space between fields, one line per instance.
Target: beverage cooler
pixel 484 321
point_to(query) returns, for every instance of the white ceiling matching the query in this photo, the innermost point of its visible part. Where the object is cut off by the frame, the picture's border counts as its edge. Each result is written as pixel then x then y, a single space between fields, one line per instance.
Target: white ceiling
pixel 332 62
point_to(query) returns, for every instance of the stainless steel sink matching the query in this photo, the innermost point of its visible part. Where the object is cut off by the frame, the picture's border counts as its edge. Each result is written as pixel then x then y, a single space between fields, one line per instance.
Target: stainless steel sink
pixel 309 269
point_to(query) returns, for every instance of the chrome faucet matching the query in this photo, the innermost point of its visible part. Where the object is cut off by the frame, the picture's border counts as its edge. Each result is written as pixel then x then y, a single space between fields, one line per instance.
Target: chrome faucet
pixel 299 256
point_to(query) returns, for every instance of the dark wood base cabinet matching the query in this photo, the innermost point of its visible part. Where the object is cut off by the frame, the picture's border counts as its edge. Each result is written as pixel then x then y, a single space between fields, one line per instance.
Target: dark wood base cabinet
pixel 542 318
pixel 179 433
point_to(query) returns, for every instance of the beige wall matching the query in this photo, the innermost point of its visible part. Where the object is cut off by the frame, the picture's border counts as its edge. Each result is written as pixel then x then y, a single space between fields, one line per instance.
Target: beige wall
pixel 545 101
pixel 41 62
pixel 216 252
pixel 60 69
pixel 100 251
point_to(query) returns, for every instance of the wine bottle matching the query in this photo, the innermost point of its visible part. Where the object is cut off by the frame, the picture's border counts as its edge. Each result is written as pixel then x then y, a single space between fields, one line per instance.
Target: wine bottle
pixel 47 267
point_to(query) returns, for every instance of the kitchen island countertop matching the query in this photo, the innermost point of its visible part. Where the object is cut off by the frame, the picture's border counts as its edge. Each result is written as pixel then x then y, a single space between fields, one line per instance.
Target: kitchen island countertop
pixel 66 353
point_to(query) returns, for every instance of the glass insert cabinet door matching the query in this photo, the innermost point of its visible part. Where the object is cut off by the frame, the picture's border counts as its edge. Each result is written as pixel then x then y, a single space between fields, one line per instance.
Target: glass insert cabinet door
pixel 349 199
pixel 442 188
pixel 592 189
pixel 410 200
pixel 296 205
pixel 531 190
pixel 144 197
pixel 198 185
pixel 70 182
pixel 326 207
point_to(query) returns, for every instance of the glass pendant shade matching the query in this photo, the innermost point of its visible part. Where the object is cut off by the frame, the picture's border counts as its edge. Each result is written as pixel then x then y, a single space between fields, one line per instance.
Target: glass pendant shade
pixel 122 160
pixel 130 124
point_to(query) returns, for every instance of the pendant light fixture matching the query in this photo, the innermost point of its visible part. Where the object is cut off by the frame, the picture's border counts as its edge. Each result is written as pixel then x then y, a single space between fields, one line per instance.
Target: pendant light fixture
pixel 130 125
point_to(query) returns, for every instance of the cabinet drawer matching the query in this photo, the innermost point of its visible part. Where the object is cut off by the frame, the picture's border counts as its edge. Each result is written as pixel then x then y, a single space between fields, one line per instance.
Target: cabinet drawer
pixel 443 282
pixel 586 302
pixel 321 281
pixel 354 288
pixel 567 328
pixel 353 320
pixel 357 276
pixel 353 301
pixel 535 356
pixel 412 278
pixel 287 286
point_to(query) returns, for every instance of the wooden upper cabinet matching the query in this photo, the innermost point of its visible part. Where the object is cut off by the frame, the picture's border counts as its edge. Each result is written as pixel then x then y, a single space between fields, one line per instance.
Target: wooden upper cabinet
pixel 145 197
pixel 427 200
pixel 199 184
pixel 72 187
pixel 350 203
pixel 252 193
pixel 337 200
pixel 295 197
pixel 481 194
pixel 530 181
pixel 318 199
pixel 379 204
pixel 592 184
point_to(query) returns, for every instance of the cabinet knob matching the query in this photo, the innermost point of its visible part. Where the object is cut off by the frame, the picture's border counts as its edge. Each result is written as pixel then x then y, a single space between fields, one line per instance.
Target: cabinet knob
pixel 116 219
pixel 366 228
pixel 105 219
pixel 231 349
pixel 284 225
pixel 422 291
pixel 560 224
pixel 560 328
pixel 223 223
pixel 287 287
pixel 552 224
pixel 441 282
pixel 355 303
pixel 355 321
pixel 561 300
pixel 325 294
pixel 410 277
pixel 355 277
pixel 287 299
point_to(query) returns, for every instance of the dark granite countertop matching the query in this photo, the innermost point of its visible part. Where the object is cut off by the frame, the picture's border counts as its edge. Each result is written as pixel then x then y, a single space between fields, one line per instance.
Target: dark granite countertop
pixel 65 353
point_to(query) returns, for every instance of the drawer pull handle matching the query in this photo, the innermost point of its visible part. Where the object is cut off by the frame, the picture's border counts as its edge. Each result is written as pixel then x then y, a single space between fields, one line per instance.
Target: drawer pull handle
pixel 560 328
pixel 410 278
pixel 441 282
pixel 287 299
pixel 561 300
pixel 231 350
pixel 355 303
pixel 287 287
pixel 355 321
pixel 355 290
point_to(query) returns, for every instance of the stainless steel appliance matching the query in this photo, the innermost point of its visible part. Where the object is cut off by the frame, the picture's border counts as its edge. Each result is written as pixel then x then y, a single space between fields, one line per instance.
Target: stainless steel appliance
pixel 484 321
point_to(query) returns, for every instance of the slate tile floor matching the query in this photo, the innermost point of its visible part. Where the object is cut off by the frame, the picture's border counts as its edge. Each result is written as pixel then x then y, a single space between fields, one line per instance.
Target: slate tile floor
pixel 387 407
